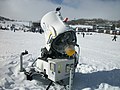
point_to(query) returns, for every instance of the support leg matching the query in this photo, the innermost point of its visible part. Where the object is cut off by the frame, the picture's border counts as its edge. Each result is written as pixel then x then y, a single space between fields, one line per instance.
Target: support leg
pixel 49 85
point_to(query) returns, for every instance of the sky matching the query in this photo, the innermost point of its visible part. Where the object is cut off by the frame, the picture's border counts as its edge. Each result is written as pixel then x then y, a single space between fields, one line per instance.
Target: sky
pixel 34 10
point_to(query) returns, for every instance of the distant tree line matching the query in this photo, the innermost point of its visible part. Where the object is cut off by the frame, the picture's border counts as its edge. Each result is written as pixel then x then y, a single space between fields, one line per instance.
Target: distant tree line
pixel 81 21
pixel 94 22
pixel 6 19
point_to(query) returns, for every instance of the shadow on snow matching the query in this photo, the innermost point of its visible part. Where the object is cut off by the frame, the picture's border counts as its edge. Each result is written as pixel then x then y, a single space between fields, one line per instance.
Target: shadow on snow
pixel 93 80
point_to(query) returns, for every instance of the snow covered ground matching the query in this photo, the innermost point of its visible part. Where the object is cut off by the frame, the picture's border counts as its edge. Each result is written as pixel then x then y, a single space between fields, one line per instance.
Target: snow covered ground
pixel 98 68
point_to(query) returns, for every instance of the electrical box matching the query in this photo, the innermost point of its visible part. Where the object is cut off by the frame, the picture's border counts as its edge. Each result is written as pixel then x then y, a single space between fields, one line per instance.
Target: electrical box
pixel 56 69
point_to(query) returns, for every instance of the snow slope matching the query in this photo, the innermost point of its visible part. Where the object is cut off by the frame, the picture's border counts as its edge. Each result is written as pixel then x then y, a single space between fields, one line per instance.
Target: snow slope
pixel 99 65
pixel 98 68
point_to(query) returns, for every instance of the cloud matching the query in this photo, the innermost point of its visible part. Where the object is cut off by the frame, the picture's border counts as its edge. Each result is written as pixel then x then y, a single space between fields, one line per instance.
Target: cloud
pixel 69 3
pixel 25 9
pixel 72 3
pixel 35 9
pixel 56 1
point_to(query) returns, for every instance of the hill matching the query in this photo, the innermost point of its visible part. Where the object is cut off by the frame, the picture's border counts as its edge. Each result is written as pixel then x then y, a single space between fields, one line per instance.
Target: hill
pixel 93 22
pixel 5 19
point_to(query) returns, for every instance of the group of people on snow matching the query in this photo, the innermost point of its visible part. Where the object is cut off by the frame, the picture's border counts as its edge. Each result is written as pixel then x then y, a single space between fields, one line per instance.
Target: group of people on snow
pixel 113 39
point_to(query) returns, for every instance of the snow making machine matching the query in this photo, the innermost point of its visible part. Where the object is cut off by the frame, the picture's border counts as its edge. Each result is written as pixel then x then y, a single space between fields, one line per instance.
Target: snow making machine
pixel 60 55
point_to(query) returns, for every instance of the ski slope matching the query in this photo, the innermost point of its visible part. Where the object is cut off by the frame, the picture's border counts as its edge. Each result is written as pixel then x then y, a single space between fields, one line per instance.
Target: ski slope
pixel 98 68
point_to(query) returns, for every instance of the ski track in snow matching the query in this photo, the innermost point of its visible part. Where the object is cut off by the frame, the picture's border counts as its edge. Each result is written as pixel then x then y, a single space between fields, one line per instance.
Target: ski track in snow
pixel 98 68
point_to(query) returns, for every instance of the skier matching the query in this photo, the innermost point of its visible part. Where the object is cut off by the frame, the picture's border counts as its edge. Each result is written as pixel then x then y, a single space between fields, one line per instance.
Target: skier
pixel 114 38
pixel 13 27
pixel 83 34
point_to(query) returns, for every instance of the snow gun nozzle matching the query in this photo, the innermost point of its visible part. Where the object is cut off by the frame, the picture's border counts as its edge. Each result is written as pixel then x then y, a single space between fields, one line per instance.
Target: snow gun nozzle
pixel 24 53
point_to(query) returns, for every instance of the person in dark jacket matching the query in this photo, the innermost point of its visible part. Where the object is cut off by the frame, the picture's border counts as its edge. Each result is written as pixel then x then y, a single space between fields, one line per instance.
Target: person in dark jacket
pixel 114 38
pixel 83 34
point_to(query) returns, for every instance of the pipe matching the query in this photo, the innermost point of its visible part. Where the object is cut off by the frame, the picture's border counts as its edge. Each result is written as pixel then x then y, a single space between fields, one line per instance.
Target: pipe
pixel 21 60
pixel 71 79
